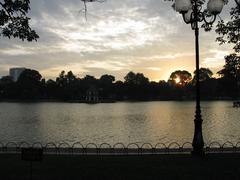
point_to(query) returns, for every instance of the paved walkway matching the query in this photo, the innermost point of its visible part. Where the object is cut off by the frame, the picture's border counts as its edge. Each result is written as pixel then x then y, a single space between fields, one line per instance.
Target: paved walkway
pixel 219 166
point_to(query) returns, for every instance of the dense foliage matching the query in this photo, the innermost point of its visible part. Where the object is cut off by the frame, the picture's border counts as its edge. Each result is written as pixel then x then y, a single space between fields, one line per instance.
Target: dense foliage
pixel 14 21
pixel 229 32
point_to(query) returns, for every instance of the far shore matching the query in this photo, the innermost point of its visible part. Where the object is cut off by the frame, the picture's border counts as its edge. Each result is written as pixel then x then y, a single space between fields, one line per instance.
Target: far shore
pixel 110 100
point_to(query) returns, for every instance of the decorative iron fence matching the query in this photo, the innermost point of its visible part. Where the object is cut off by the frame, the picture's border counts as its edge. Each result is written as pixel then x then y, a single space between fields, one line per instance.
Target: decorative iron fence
pixel 78 148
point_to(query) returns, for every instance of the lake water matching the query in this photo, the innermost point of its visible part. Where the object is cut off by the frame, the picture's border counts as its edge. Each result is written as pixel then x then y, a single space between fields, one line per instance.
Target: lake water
pixel 124 122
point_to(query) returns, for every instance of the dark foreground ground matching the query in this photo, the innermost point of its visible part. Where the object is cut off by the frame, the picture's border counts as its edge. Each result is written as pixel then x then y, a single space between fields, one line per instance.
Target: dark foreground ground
pixel 169 166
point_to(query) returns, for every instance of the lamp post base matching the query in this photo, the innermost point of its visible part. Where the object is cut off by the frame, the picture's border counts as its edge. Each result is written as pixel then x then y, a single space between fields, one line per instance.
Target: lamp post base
pixel 198 153
pixel 198 143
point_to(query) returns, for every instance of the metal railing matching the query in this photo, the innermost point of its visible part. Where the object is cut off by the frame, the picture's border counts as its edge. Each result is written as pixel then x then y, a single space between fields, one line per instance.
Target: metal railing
pixel 78 148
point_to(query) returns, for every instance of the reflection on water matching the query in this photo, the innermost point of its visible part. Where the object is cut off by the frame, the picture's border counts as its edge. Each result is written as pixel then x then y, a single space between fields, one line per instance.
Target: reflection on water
pixel 151 122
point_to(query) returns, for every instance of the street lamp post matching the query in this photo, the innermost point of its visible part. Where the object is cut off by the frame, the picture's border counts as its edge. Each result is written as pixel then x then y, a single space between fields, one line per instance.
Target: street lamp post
pixel 192 13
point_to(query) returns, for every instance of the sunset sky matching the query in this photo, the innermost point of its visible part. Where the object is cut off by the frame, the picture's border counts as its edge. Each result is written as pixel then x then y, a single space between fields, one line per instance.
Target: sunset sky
pixel 145 36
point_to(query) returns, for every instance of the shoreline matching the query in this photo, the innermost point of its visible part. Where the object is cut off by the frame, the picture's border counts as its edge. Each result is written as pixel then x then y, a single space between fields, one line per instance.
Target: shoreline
pixel 106 101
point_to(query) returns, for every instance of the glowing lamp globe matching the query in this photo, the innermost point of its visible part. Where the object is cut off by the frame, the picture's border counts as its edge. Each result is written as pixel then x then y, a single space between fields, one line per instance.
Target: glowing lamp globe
pixel 215 6
pixel 182 6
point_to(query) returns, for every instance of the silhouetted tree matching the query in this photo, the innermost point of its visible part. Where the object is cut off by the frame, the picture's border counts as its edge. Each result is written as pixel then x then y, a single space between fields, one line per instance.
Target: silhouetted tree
pixel 69 86
pixel 70 77
pixel 230 81
pixel 61 79
pixel 14 21
pixel 120 90
pixel 204 74
pixel 106 85
pixel 209 89
pixel 30 76
pixel 72 89
pixel 161 90
pixel 130 78
pixel 136 79
pixel 208 85
pixel 232 67
pixel 29 83
pixel 6 80
pixel 229 32
pixel 137 85
pixel 7 87
pixel 107 79
pixel 61 82
pixel 180 77
pixel 89 81
pixel 52 89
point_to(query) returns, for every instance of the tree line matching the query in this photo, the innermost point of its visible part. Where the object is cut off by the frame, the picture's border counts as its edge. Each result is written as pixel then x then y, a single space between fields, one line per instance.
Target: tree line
pixel 136 86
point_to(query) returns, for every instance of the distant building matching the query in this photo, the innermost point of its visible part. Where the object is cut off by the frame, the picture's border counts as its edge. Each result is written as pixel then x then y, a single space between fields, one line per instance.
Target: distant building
pixel 15 73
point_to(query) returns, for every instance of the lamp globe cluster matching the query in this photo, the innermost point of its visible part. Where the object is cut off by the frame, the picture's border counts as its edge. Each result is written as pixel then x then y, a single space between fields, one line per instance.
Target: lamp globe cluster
pixel 213 6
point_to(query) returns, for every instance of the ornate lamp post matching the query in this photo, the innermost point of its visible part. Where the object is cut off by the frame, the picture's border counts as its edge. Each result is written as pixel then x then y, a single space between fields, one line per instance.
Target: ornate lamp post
pixel 193 14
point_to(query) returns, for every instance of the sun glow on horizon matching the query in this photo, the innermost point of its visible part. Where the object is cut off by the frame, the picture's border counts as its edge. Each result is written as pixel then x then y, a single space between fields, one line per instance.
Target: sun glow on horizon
pixel 177 80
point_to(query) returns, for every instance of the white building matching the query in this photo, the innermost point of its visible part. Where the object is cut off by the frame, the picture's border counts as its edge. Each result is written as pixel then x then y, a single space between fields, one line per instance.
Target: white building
pixel 15 73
